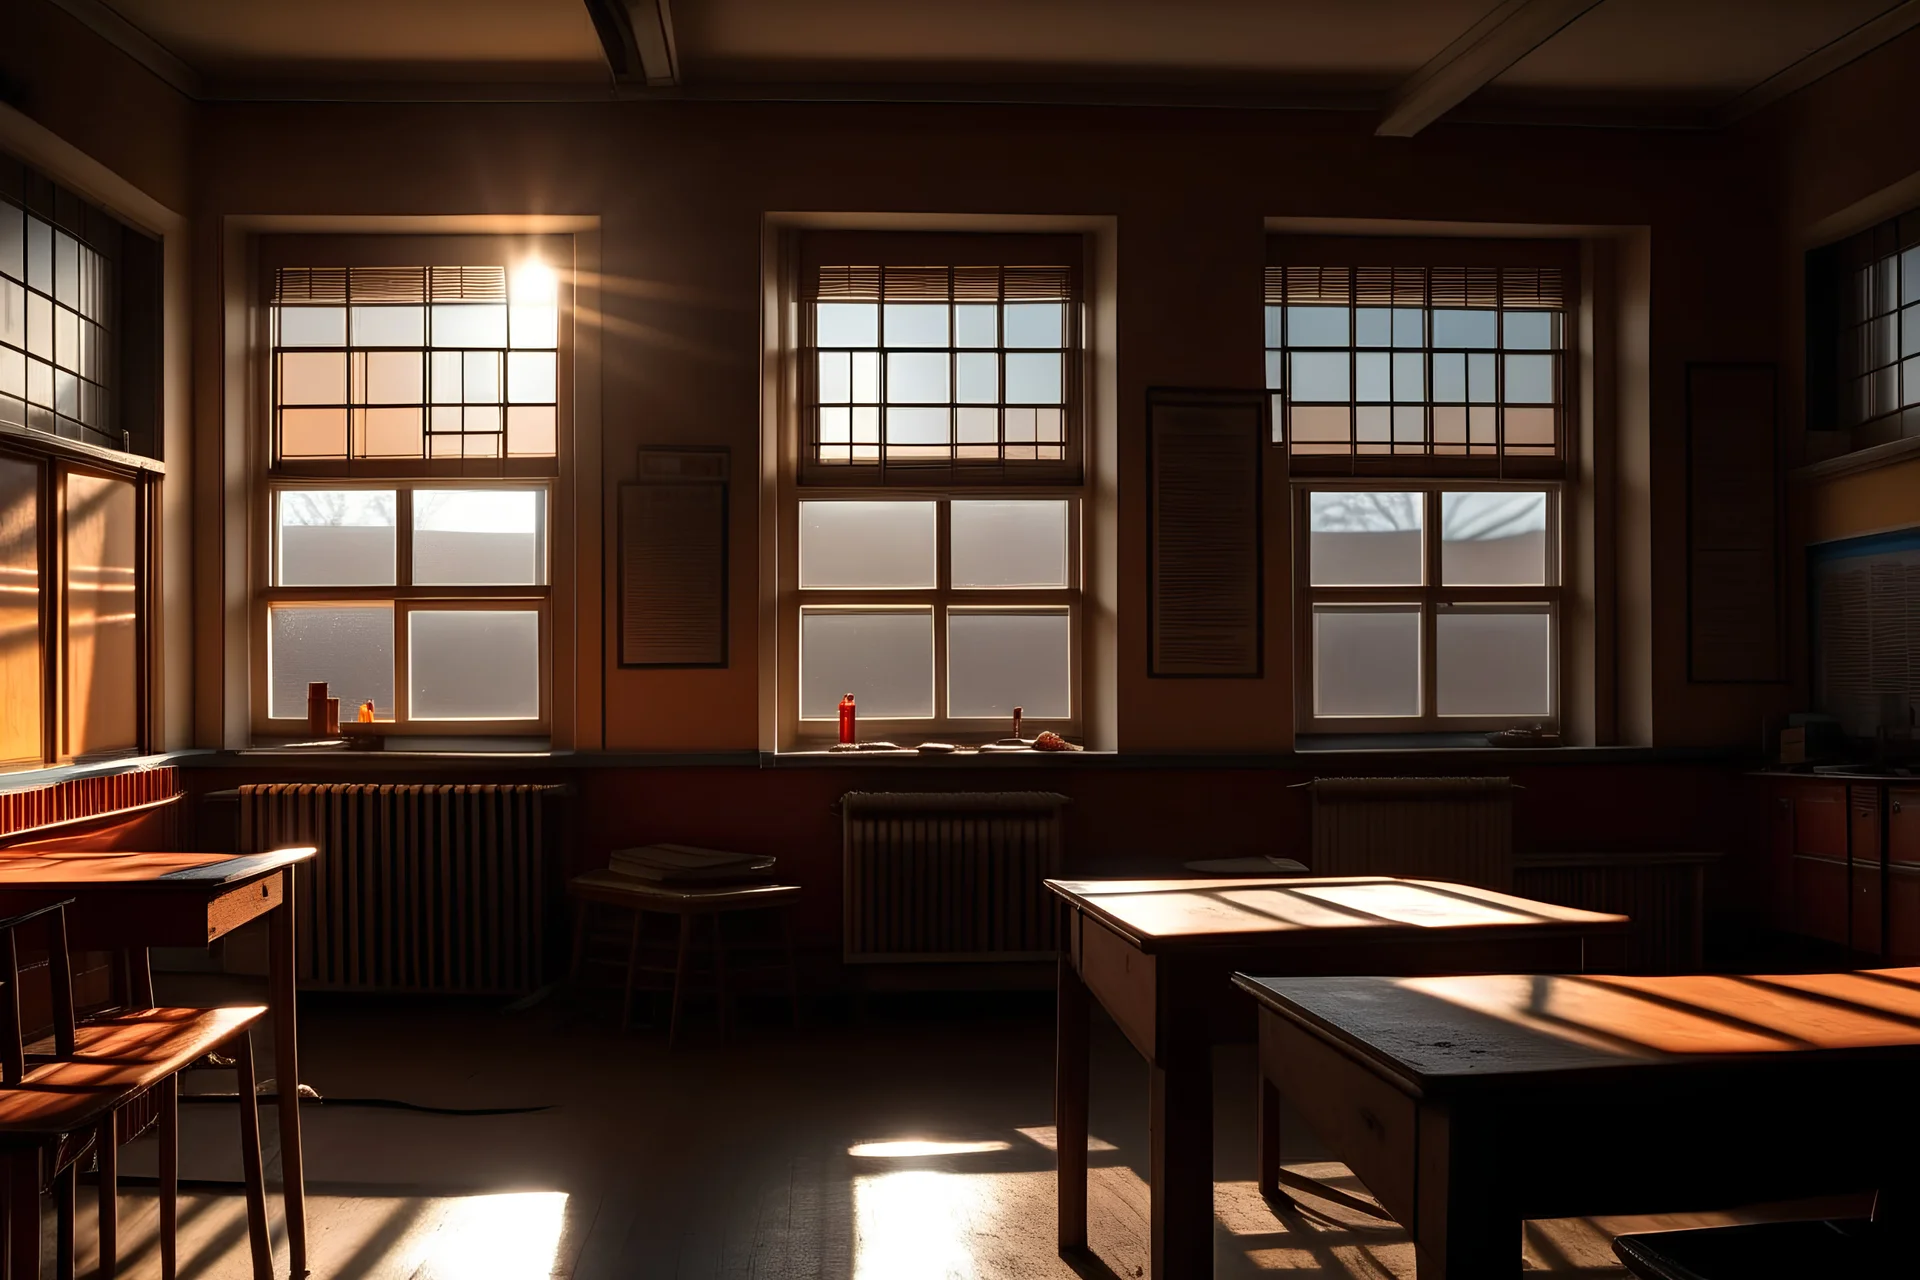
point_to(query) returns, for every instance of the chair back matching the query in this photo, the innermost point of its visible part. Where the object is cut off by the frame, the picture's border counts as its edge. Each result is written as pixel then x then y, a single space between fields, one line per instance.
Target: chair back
pixel 52 919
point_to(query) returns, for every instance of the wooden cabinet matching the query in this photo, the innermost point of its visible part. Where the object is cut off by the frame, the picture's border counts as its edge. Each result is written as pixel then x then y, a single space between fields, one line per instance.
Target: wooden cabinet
pixel 1864 897
pixel 1903 825
pixel 1820 905
pixel 1819 819
pixel 1903 915
pixel 1863 822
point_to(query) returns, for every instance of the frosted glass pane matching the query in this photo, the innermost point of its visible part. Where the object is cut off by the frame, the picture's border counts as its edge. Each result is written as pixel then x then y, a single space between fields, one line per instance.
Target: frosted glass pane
pixel 1493 663
pixel 480 383
pixel 1373 327
pixel 336 538
pixel 846 324
pixel 884 658
pixel 1319 375
pixel 836 378
pixel 536 326
pixel 1409 327
pixel 530 377
pixel 1364 539
pixel 313 433
pixel 445 379
pixel 313 377
pixel 927 427
pixel 1366 661
pixel 1409 377
pixel 479 537
pixel 1033 379
pixel 1036 324
pixel 1493 539
pixel 478 664
pixel 999 661
pixel 1528 331
pixel 1011 543
pixel 470 325
pixel 1530 380
pixel 389 326
pixel 20 645
pixel 348 646
pixel 916 324
pixel 979 378
pixel 393 377
pixel 867 544
pixel 102 640
pixel 1465 328
pixel 1317 326
pixel 313 326
pixel 975 324
pixel 1449 379
pixel 917 378
pixel 1373 377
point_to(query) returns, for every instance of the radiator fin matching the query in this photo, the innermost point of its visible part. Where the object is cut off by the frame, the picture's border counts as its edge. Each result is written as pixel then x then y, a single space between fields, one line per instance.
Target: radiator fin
pixel 1456 829
pixel 949 876
pixel 416 887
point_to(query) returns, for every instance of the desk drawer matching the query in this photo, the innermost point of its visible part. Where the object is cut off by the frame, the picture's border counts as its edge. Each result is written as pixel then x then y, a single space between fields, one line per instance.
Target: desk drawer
pixel 1366 1123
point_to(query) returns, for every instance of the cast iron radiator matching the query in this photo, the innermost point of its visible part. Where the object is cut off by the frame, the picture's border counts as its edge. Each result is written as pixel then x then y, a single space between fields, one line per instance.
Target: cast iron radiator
pixel 950 876
pixel 416 887
pixel 1458 829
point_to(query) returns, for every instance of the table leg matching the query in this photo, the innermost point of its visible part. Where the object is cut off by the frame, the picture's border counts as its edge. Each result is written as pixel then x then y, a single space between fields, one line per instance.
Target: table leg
pixel 282 967
pixel 580 918
pixel 680 969
pixel 107 1152
pixel 633 970
pixel 139 978
pixel 1180 1164
pixel 23 1214
pixel 720 973
pixel 1269 1130
pixel 1070 1089
pixel 169 1094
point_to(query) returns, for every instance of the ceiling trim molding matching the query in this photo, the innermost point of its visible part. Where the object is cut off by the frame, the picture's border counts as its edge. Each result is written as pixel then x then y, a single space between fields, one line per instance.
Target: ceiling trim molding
pixel 1487 48
pixel 135 43
pixel 1824 61
pixel 637 38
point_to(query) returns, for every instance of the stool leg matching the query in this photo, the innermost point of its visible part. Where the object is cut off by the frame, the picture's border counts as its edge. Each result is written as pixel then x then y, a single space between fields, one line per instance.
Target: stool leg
pixel 261 1247
pixel 720 974
pixel 580 918
pixel 793 977
pixel 23 1214
pixel 169 1177
pixel 680 968
pixel 107 1151
pixel 633 969
pixel 63 1214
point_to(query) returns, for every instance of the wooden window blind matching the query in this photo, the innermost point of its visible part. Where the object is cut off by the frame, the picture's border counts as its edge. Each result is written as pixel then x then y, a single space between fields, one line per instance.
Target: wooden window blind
pixel 1420 367
pixel 941 360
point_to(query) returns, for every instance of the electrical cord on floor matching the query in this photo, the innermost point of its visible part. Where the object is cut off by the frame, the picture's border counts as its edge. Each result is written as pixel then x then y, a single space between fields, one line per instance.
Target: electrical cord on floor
pixel 391 1104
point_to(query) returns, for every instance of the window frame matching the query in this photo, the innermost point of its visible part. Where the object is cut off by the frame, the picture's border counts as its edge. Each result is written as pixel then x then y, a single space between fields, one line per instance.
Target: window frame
pixel 272 478
pixel 942 600
pixel 1429 597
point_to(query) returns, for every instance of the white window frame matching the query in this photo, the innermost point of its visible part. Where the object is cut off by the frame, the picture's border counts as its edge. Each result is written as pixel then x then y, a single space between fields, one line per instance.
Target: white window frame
pixel 1429 597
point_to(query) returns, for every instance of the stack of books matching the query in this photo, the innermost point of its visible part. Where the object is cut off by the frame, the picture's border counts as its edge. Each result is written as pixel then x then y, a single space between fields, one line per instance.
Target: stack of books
pixel 683 865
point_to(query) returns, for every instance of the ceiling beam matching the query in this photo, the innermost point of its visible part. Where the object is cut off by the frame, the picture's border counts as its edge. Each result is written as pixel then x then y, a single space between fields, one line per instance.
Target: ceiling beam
pixel 135 43
pixel 637 36
pixel 1828 58
pixel 1509 33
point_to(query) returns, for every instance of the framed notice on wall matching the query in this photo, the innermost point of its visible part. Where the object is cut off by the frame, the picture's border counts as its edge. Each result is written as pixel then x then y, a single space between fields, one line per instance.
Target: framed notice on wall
pixel 1204 588
pixel 673 560
pixel 1736 601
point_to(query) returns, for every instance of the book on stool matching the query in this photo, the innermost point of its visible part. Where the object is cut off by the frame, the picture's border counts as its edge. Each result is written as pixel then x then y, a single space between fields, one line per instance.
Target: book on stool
pixel 684 866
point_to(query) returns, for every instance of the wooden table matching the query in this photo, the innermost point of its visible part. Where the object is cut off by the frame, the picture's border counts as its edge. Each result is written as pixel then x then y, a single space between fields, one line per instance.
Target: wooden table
pixel 1468 1104
pixel 1159 955
pixel 135 901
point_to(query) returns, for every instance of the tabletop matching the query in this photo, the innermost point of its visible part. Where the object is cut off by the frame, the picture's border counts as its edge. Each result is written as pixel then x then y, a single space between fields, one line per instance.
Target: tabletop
pixel 1453 1033
pixel 1167 915
pixel 744 895
pixel 80 870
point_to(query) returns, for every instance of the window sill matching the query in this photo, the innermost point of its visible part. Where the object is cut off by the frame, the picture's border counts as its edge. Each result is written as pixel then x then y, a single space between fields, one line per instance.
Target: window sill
pixel 408 745
pixel 1308 743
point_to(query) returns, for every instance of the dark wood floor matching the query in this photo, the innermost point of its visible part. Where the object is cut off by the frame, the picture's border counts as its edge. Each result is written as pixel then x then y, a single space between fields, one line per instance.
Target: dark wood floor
pixel 763 1157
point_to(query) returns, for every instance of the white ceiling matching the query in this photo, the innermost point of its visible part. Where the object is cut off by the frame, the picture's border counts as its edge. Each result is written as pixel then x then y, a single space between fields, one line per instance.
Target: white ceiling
pixel 1683 56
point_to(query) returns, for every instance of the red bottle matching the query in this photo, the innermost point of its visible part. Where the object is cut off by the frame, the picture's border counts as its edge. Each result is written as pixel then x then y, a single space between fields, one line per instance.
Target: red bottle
pixel 846 721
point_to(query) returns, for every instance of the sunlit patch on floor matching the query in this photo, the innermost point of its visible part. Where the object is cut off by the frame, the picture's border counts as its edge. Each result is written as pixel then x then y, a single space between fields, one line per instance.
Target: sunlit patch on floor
pixel 906 1148
pixel 916 1224
pixel 1045 1136
pixel 510 1236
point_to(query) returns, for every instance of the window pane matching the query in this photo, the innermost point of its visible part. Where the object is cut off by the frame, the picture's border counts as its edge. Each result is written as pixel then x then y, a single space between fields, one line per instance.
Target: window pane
pixel 1465 328
pixel 313 433
pixel 979 377
pixel 1364 539
pixel 1033 379
pixel 102 652
pixel 1319 375
pixel 1373 327
pixel 867 544
pixel 975 324
pixel 835 378
pixel 1493 539
pixel 393 377
pixel 348 646
pixel 1373 375
pixel 389 326
pixel 1012 543
pixel 884 658
pixel 336 538
pixel 473 664
pixel 1036 324
pixel 846 324
pixel 1493 661
pixel 532 431
pixel 1409 326
pixel 531 377
pixel 917 378
pixel 536 327
pixel 997 661
pixel 916 324
pixel 480 376
pixel 479 537
pixel 20 639
pixel 1317 326
pixel 1530 380
pixel 470 325
pixel 1366 660
pixel 1528 331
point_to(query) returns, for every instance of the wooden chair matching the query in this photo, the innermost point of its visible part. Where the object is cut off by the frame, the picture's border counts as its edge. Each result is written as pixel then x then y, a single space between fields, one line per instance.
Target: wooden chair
pixel 56 1107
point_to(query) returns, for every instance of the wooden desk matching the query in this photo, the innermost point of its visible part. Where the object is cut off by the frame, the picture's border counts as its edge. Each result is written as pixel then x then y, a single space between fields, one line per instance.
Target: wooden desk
pixel 141 900
pixel 1159 955
pixel 1467 1105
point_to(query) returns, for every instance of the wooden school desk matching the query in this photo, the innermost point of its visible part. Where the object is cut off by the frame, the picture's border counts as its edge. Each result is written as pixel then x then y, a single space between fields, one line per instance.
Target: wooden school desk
pixel 1468 1104
pixel 1159 955
pixel 135 901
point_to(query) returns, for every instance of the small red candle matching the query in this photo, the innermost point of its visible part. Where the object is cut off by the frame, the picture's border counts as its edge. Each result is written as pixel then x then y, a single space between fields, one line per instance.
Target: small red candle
pixel 846 720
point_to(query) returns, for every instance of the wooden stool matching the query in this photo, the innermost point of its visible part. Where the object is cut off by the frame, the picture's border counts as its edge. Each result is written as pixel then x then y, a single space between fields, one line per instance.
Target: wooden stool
pixel 609 889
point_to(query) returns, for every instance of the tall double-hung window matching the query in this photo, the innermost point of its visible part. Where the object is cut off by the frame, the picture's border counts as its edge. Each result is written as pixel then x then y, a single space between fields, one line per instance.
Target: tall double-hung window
pixel 1423 400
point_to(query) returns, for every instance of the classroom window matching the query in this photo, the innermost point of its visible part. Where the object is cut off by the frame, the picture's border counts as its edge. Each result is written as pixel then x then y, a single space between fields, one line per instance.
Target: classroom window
pixel 1428 608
